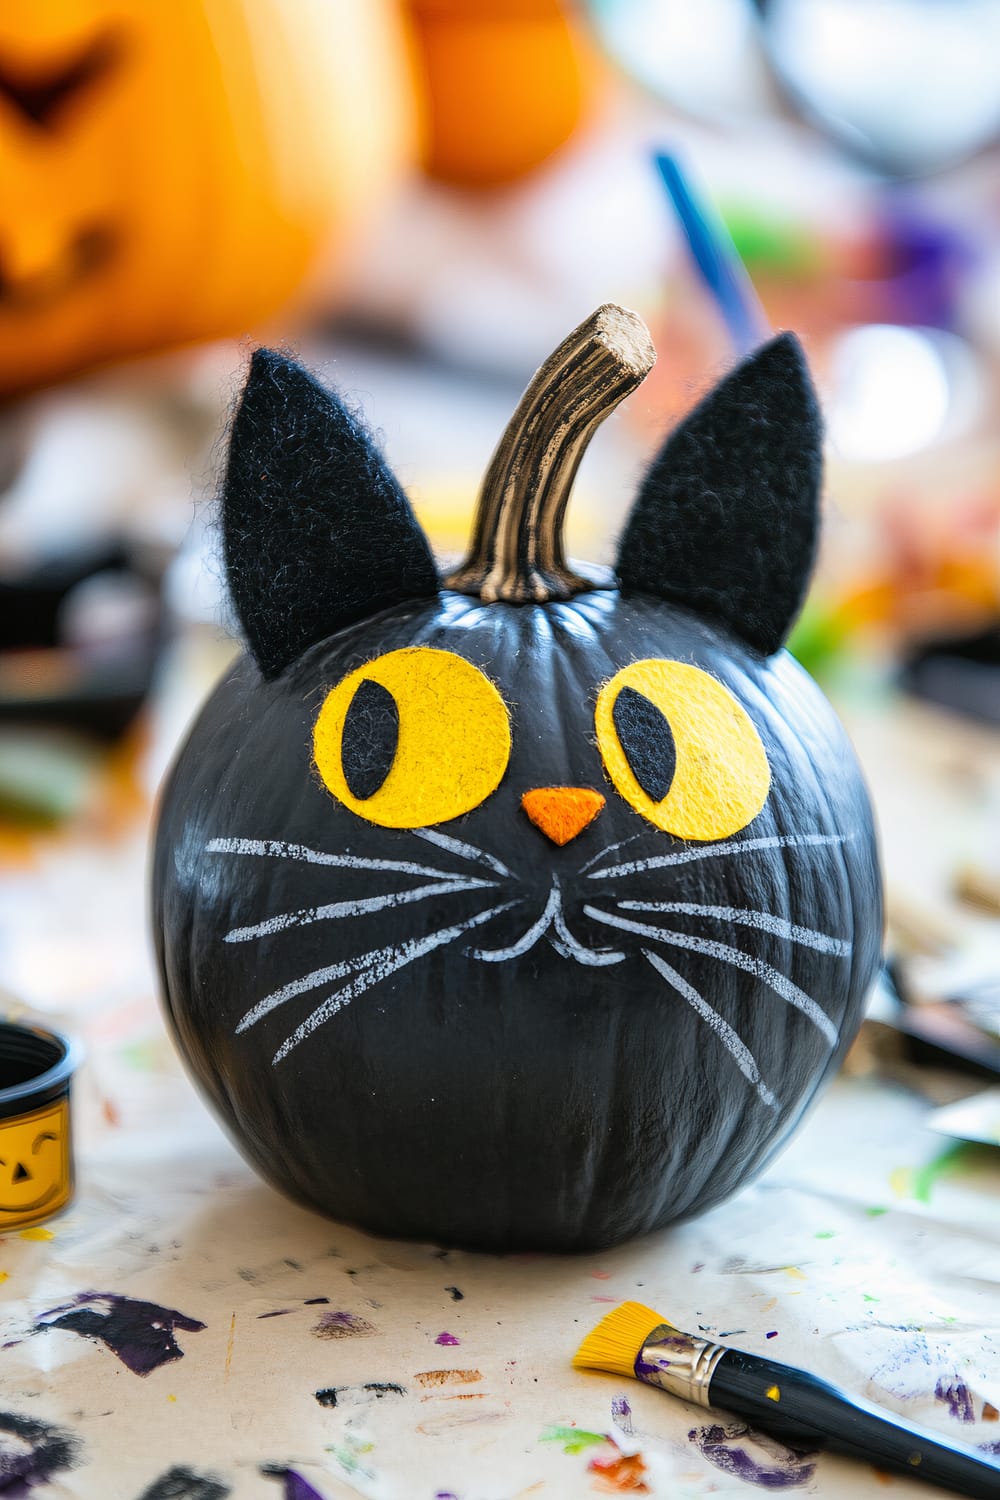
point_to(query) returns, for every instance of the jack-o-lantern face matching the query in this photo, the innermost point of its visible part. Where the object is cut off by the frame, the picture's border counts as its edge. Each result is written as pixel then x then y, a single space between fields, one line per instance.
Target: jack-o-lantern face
pixel 169 172
pixel 35 1174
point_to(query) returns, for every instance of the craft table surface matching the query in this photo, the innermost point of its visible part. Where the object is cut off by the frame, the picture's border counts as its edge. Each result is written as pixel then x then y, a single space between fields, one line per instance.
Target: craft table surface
pixel 241 1346
pixel 382 1369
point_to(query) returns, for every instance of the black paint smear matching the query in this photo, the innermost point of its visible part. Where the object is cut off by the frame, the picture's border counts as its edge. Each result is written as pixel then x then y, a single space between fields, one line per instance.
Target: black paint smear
pixel 378 1388
pixel 184 1484
pixel 51 1448
pixel 456 1295
pixel 280 1312
pixel 312 1301
pixel 343 1325
pixel 782 1469
pixel 140 1334
pixel 647 740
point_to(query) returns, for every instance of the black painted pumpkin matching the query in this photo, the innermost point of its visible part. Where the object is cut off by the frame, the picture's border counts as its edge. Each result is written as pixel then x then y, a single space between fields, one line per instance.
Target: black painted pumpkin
pixel 531 910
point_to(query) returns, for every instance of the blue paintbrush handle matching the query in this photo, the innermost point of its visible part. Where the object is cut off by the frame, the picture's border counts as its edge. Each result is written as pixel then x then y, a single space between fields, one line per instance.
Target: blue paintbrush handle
pixel 809 1413
pixel 716 258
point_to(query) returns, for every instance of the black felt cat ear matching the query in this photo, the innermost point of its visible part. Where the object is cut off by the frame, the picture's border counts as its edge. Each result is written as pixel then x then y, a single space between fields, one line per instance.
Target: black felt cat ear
pixel 727 519
pixel 316 531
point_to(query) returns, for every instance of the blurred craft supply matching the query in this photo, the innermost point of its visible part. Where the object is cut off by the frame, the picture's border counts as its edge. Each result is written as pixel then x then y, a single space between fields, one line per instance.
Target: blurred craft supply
pixel 980 886
pixel 46 779
pixel 941 1011
pixel 504 86
pixel 170 173
pixel 36 1147
pixel 79 640
pixel 907 87
pixel 961 673
pixel 974 1119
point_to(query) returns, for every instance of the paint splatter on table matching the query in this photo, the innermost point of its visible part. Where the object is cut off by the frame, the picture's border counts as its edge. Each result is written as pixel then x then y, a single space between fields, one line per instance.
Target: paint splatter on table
pixel 186 1332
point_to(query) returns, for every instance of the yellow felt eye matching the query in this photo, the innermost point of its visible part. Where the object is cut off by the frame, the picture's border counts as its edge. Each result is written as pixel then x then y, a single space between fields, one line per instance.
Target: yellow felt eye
pixel 415 737
pixel 681 750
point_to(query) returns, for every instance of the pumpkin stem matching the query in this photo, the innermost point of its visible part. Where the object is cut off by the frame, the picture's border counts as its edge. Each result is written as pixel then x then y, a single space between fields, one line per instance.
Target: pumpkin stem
pixel 517 547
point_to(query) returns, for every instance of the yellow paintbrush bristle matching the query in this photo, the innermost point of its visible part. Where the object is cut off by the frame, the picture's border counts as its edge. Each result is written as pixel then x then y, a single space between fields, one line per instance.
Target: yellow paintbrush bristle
pixel 617 1339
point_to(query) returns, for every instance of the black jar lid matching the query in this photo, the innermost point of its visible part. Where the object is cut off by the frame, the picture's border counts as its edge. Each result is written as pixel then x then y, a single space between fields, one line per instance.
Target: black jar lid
pixel 36 1066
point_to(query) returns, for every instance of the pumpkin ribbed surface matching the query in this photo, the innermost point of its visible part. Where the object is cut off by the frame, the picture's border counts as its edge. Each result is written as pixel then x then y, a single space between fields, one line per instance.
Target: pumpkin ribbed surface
pixel 513 1043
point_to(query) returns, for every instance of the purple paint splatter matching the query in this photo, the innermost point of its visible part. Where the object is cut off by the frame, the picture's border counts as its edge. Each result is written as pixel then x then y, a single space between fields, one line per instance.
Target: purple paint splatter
pixel 140 1334
pixel 48 1450
pixel 296 1488
pixel 955 1394
pixel 621 1414
pixel 344 1325
pixel 781 1469
pixel 772 1335
pixel 447 1338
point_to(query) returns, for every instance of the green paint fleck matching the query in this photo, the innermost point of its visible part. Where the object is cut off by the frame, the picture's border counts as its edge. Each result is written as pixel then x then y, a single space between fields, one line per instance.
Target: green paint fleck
pixel 925 1177
pixel 572 1439
pixel 869 1298
pixel 144 1056
pixel 825 1234
pixel 346 1456
pixel 876 1212
pixel 346 1459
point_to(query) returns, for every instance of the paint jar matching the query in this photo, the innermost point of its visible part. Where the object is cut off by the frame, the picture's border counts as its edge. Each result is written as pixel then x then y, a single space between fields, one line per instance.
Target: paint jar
pixel 36 1148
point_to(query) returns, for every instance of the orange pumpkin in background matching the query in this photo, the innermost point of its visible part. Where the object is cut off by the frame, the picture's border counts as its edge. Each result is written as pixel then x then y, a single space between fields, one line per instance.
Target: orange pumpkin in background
pixel 507 82
pixel 174 171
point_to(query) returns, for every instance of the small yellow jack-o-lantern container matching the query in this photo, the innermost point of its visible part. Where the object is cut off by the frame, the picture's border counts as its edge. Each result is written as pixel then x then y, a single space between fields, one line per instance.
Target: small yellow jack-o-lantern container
pixel 36 1151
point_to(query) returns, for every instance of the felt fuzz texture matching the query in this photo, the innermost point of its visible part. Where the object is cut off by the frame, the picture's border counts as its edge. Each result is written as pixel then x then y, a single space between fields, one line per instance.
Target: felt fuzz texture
pixel 369 738
pixel 645 736
pixel 317 533
pixel 720 776
pixel 561 812
pixel 436 753
pixel 727 518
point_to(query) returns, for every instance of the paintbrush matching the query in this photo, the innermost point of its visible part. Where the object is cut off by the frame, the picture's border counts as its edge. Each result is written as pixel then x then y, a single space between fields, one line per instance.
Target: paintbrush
pixel 799 1408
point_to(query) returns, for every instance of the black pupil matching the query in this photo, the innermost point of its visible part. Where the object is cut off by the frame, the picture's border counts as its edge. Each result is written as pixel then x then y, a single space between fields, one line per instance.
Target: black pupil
pixel 647 740
pixel 371 734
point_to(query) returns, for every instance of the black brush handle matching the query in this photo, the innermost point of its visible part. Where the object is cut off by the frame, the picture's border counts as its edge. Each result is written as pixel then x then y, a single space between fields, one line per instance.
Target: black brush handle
pixel 812 1414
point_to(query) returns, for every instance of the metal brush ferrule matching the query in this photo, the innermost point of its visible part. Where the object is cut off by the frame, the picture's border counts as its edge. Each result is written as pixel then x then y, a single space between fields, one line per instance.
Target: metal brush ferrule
pixel 678 1363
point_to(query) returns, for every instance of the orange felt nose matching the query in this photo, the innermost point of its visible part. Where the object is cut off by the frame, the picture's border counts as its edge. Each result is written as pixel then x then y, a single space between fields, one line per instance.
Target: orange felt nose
pixel 561 812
